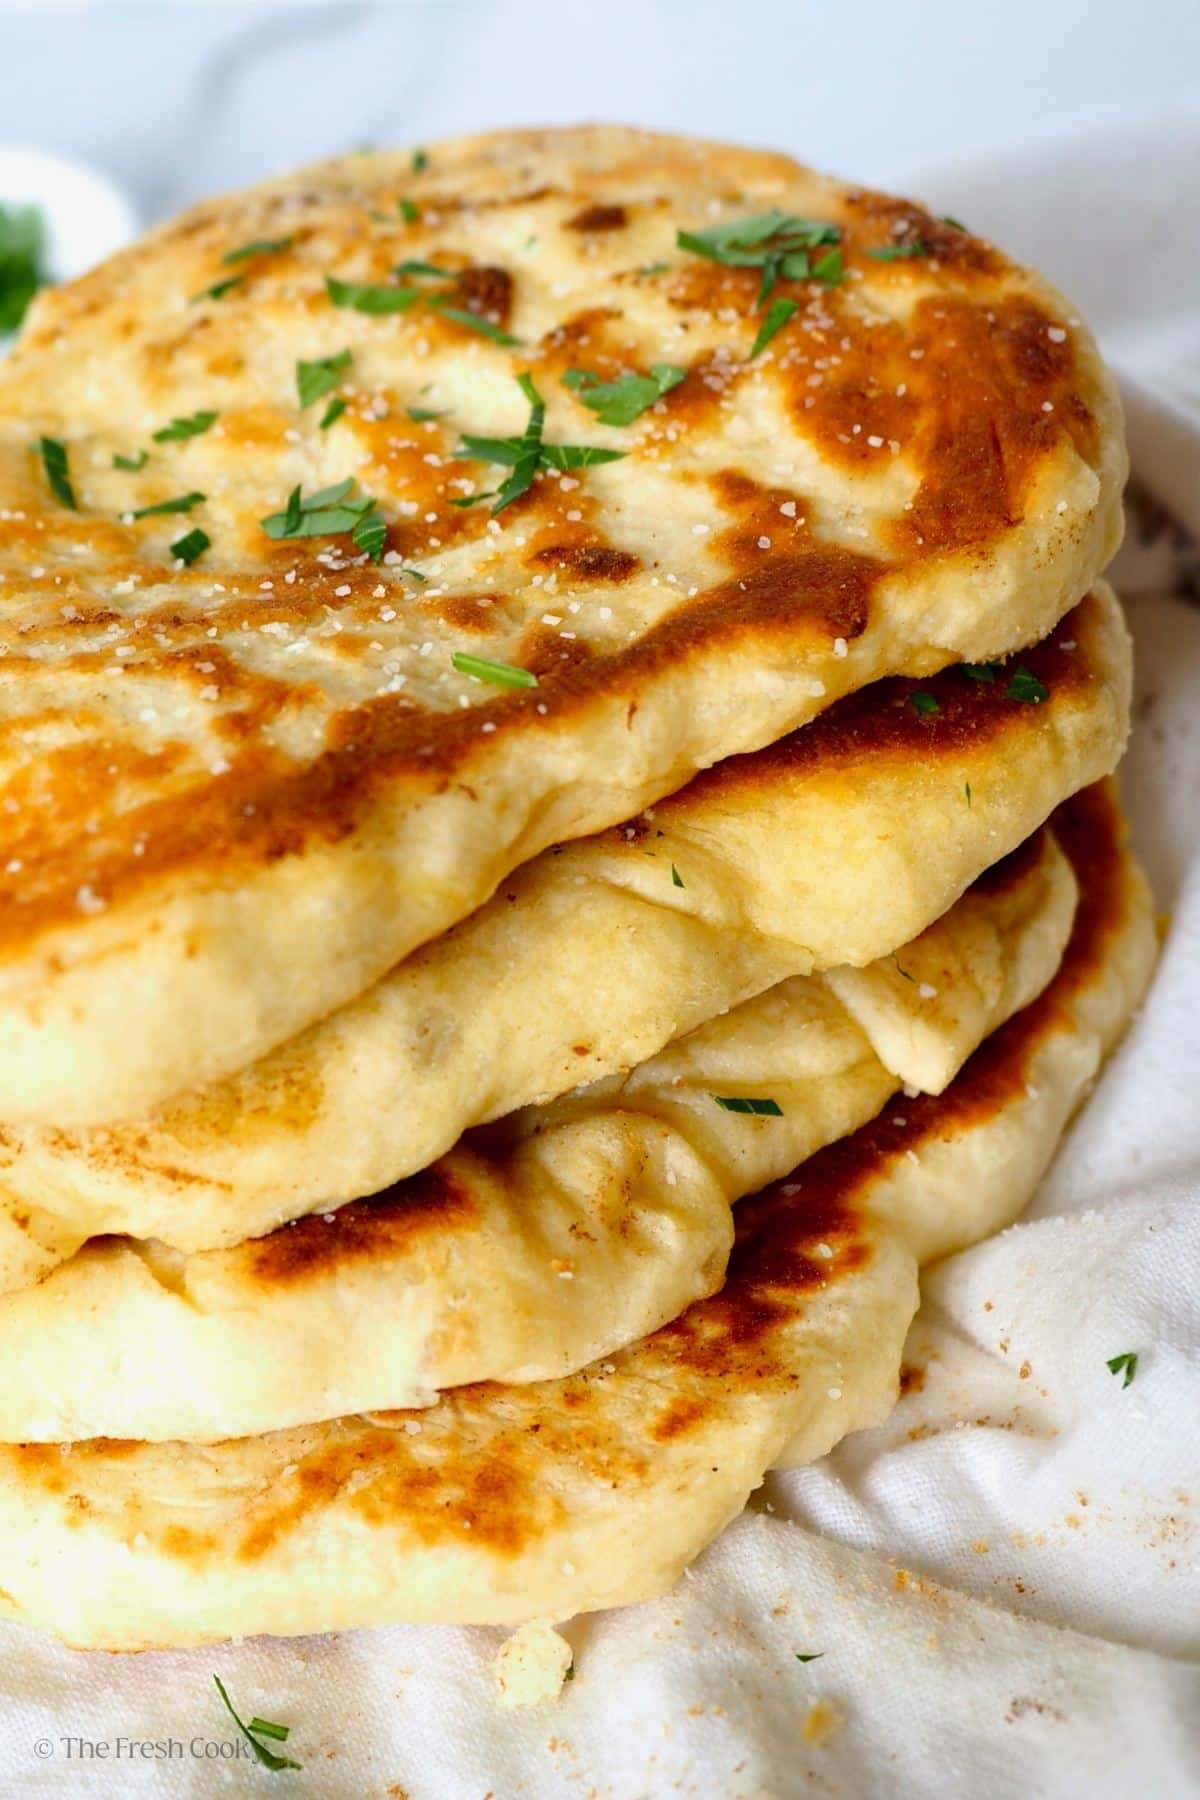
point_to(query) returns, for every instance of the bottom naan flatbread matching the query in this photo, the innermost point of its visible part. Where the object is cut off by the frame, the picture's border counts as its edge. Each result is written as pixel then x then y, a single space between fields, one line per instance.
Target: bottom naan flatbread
pixel 551 1240
pixel 506 1504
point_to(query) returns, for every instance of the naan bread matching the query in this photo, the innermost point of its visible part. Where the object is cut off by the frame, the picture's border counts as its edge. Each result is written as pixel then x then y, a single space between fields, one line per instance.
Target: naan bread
pixel 831 847
pixel 577 1229
pixel 235 792
pixel 506 1504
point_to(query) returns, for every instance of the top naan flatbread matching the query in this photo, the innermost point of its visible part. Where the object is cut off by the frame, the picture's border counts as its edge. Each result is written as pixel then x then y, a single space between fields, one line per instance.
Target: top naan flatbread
pixel 233 792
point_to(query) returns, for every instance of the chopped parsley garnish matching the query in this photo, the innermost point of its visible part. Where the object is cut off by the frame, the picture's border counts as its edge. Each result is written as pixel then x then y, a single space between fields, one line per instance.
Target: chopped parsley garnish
pixel 409 211
pixel 766 1109
pixel 182 504
pixel 414 574
pixel 949 219
pixel 1026 686
pixel 526 451
pixel 777 316
pixel 329 513
pixel 420 415
pixel 260 247
pixel 420 160
pixel 799 266
pixel 1023 685
pixel 653 268
pixel 260 1728
pixel 332 413
pixel 828 268
pixel 473 322
pixel 813 1656
pixel 132 463
pixel 218 289
pixel 1125 1364
pixel 370 534
pixel 676 878
pixel 746 243
pixel 899 252
pixel 474 499
pixel 577 456
pixel 414 266
pixel 22 242
pixel 370 297
pixel 194 425
pixel 375 299
pixel 319 377
pixel 622 401
pixel 54 461
pixel 526 454
pixel 923 703
pixel 191 546
pixel 501 673
pixel 775 242
pixel 265 1728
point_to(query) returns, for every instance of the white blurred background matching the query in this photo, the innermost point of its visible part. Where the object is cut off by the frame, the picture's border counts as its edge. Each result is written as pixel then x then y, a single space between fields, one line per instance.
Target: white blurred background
pixel 1069 130
pixel 175 100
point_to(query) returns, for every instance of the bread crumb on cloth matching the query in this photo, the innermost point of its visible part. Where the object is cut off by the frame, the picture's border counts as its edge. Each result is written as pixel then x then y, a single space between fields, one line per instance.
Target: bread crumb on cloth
pixel 532 1665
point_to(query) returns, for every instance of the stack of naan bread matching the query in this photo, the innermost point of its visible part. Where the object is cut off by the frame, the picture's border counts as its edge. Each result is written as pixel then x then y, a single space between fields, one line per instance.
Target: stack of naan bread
pixel 554 847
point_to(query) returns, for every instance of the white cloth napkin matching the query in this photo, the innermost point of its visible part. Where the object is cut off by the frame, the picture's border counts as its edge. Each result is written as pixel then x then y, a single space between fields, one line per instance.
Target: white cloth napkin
pixel 1003 1581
